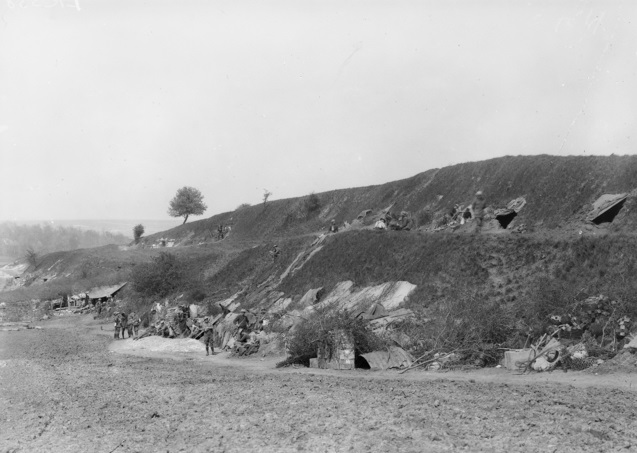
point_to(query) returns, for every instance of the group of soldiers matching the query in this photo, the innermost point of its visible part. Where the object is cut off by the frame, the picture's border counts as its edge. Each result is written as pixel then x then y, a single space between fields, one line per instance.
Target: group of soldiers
pixel 126 323
pixel 246 337
pixel 459 214
pixel 177 323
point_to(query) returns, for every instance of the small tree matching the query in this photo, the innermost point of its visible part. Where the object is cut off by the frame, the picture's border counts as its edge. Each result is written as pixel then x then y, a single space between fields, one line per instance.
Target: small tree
pixel 31 257
pixel 266 195
pixel 188 201
pixel 138 231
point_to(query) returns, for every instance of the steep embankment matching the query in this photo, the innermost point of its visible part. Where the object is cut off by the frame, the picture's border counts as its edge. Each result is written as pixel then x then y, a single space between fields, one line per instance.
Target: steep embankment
pixel 560 257
pixel 500 269
pixel 559 192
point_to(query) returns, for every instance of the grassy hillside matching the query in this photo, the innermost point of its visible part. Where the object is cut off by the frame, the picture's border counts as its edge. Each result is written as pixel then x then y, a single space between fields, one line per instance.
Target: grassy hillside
pixel 79 270
pixel 559 193
pixel 559 260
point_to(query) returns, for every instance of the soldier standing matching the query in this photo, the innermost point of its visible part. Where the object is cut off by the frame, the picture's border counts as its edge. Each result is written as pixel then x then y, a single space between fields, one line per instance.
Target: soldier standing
pixel 123 323
pixel 275 252
pixel 133 324
pixel 241 321
pixel 478 209
pixel 208 335
pixel 118 325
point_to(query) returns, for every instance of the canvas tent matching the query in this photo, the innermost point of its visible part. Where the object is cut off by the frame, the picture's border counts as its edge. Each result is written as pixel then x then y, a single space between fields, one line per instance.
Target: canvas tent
pixel 606 208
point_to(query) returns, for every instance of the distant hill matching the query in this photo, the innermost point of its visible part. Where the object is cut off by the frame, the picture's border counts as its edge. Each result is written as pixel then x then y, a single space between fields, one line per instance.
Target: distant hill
pixel 115 226
pixel 16 238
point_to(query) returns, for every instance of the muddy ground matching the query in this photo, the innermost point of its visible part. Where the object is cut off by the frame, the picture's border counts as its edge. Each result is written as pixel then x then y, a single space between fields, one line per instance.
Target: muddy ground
pixel 63 389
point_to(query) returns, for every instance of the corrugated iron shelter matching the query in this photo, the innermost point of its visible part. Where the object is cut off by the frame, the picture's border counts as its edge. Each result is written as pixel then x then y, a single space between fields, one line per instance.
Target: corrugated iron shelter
pixel 606 208
pixel 104 292
pixel 394 357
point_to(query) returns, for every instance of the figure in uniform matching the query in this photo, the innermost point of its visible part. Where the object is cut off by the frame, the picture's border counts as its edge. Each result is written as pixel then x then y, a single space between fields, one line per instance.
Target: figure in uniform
pixel 208 335
pixel 118 325
pixel 133 324
pixel 123 323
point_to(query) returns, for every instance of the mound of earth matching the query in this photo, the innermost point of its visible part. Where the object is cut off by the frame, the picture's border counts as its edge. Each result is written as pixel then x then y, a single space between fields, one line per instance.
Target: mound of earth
pixel 624 362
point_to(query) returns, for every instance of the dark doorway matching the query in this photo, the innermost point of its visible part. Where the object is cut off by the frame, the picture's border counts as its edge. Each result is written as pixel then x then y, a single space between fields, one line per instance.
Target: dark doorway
pixel 506 219
pixel 360 362
pixel 609 215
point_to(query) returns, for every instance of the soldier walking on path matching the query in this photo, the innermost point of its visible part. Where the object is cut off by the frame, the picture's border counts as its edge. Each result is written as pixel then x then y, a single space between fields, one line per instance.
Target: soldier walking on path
pixel 208 335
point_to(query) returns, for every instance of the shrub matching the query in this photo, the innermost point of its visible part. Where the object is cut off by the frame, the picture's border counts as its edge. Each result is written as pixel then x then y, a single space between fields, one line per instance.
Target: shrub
pixel 424 217
pixel 312 204
pixel 138 231
pixel 463 322
pixel 318 329
pixel 159 278
pixel 196 294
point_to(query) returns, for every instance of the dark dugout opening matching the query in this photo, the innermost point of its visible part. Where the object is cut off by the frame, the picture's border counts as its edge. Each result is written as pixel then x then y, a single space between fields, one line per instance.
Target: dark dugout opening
pixel 360 362
pixel 609 215
pixel 506 219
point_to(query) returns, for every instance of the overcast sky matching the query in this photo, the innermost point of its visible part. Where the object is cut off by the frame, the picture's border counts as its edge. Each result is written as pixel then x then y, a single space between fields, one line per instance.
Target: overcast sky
pixel 107 107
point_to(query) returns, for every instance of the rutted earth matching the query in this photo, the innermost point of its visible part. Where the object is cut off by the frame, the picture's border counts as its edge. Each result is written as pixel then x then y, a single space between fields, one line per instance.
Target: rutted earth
pixel 63 389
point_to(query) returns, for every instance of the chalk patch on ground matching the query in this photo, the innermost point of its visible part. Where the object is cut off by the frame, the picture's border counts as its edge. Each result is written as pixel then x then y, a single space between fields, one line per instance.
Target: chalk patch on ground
pixel 159 344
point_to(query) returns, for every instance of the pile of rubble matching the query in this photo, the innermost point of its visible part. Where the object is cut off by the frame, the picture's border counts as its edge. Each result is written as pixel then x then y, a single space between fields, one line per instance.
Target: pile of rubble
pixel 241 333
pixel 593 332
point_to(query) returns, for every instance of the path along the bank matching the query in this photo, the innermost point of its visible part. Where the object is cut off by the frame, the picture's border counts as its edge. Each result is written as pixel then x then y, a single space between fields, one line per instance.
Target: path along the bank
pixel 66 388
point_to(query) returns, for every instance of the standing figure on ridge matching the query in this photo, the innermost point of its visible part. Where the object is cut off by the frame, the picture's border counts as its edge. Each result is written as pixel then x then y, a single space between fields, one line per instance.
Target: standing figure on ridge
pixel 479 203
pixel 275 252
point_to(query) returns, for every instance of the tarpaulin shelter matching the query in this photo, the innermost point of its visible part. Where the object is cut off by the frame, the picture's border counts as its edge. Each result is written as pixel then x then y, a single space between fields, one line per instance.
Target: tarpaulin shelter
pixel 506 215
pixel 606 208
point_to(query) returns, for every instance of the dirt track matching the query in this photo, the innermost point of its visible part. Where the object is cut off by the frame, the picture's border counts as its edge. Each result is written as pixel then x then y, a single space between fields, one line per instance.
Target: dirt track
pixel 63 390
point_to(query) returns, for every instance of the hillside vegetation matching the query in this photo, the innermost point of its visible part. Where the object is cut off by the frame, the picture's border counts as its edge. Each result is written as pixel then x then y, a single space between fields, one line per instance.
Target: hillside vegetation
pixel 559 192
pixel 501 285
